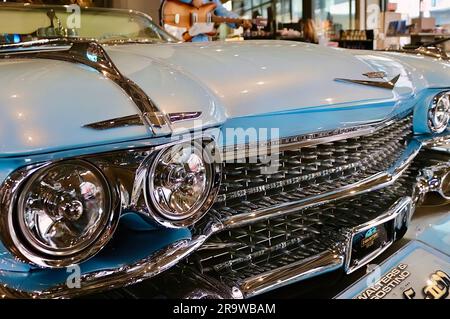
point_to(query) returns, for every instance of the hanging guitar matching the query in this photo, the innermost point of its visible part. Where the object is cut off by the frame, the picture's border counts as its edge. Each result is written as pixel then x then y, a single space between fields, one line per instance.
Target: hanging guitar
pixel 179 14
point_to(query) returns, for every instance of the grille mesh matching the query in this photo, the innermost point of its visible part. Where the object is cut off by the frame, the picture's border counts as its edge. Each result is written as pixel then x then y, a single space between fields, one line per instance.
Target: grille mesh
pixel 310 171
pixel 250 250
pixel 244 252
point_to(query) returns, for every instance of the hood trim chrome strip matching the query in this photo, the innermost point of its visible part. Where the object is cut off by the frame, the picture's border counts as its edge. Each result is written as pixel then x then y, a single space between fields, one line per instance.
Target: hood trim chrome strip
pixel 389 85
pixel 136 120
pixel 92 54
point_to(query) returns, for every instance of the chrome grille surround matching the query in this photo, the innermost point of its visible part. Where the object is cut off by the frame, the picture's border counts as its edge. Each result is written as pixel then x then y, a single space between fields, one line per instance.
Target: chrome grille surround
pixel 298 216
pixel 327 165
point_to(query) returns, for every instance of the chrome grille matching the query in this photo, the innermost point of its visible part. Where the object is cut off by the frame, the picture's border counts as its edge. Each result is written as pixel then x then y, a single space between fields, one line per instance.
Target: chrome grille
pixel 312 170
pixel 246 251
pixel 240 253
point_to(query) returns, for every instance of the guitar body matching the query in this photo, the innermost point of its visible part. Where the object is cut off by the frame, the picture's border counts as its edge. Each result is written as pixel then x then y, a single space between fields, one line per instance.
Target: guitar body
pixel 183 15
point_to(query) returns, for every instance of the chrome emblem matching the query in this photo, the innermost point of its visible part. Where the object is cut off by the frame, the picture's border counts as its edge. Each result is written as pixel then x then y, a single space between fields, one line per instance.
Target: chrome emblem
pixel 375 75
pixel 389 85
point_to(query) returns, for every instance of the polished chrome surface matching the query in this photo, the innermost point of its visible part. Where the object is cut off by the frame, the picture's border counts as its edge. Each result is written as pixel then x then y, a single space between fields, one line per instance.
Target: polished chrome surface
pixel 436 179
pixel 301 270
pixel 231 153
pixel 375 75
pixel 91 54
pixel 63 209
pixel 122 170
pixel 400 214
pixel 182 184
pixel 133 120
pixel 289 235
pixel 184 116
pixel 315 175
pixel 267 253
pixel 390 85
pixel 439 113
pixel 10 192
pixel 123 276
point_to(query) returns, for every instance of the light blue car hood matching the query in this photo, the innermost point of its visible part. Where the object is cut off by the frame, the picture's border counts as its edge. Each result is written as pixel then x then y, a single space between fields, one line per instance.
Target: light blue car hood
pixel 44 104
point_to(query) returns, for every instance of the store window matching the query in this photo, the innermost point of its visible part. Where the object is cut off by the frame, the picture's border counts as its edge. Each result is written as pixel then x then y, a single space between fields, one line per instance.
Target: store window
pixel 332 16
pixel 287 10
pixel 438 9
pixel 252 8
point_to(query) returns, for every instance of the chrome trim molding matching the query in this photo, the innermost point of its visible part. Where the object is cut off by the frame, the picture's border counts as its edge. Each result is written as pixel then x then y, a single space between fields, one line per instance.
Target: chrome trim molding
pixel 115 278
pixel 389 85
pixel 92 54
pixel 135 120
pixel 130 120
pixel 375 182
pixel 304 269
pixel 251 149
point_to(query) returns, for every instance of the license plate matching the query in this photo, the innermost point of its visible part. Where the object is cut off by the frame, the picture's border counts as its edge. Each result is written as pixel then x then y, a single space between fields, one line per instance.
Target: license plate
pixel 371 239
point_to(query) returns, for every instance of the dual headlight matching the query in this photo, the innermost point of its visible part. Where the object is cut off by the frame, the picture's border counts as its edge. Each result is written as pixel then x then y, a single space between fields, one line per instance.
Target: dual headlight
pixel 66 212
pixel 439 113
pixel 182 184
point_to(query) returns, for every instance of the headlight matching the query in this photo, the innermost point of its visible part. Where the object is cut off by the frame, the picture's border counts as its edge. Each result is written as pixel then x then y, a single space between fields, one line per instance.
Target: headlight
pixel 62 212
pixel 439 113
pixel 182 184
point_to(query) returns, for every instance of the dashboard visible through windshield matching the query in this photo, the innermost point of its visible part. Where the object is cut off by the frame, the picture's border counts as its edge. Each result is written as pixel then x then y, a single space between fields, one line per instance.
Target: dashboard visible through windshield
pixel 23 23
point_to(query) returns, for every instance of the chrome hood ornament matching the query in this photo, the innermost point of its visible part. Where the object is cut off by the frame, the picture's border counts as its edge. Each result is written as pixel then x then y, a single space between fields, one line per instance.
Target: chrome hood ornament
pixel 389 85
pixel 375 75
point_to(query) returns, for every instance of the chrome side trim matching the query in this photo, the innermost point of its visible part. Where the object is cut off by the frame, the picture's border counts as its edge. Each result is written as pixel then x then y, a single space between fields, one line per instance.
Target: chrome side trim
pixel 135 120
pixel 304 269
pixel 389 85
pixel 375 182
pixel 131 120
pixel 128 275
pixel 184 116
pixel 92 54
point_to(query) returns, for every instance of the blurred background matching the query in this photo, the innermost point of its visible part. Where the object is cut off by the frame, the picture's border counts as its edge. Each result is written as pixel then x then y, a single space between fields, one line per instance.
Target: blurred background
pixel 356 24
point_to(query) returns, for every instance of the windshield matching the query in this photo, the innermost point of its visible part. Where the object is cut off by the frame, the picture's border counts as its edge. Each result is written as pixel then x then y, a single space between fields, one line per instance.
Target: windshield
pixel 21 23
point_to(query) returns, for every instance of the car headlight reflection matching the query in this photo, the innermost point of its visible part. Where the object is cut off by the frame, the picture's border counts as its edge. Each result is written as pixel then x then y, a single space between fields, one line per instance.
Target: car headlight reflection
pixel 439 113
pixel 62 211
pixel 181 184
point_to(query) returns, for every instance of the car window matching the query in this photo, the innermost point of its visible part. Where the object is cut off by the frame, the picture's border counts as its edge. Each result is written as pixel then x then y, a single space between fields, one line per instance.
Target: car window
pixel 20 24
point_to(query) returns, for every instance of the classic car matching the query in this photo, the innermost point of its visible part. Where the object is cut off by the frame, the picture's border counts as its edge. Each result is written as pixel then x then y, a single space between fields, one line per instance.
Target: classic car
pixel 234 167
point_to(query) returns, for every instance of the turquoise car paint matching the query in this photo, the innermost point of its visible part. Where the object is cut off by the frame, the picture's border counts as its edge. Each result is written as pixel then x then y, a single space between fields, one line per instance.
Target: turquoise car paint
pixel 437 234
pixel 190 77
pixel 278 84
pixel 137 241
pixel 421 109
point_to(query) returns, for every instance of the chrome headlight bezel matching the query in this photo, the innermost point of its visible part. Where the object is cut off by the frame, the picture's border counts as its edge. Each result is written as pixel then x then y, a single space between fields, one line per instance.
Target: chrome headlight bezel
pixel 438 123
pixel 12 234
pixel 166 218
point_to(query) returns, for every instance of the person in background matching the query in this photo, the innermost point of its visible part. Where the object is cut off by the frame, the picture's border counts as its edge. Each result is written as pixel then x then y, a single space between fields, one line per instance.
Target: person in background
pixel 202 33
pixel 308 28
